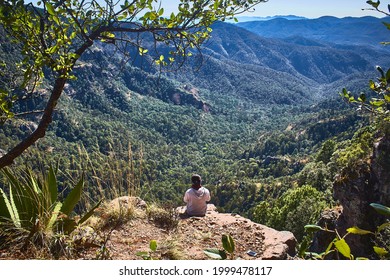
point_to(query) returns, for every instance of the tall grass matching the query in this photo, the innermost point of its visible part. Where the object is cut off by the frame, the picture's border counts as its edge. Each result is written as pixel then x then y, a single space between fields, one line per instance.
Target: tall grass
pixel 119 173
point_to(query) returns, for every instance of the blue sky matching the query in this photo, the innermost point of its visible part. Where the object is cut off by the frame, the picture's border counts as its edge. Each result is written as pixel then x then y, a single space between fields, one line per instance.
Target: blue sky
pixel 306 8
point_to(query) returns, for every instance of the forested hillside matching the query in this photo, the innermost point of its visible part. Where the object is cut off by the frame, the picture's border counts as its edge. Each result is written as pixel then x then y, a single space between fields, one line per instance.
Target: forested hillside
pixel 261 119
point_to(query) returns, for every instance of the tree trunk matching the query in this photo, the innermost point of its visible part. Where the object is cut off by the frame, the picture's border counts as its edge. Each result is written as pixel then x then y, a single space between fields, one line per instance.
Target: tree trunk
pixel 40 132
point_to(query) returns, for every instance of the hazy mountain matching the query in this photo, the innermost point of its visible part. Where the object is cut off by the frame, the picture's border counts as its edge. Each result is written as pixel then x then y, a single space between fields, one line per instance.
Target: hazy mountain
pixel 347 31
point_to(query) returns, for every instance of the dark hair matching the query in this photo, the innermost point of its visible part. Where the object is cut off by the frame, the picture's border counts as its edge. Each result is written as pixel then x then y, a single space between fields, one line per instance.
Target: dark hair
pixel 196 179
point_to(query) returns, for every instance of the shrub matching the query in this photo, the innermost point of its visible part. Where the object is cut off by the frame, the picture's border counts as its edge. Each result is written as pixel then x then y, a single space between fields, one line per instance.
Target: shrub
pixel 163 216
pixel 293 210
pixel 31 211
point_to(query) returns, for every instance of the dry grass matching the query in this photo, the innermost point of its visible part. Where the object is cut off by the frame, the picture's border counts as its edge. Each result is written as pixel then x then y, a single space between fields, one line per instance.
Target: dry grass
pixel 116 213
pixel 165 216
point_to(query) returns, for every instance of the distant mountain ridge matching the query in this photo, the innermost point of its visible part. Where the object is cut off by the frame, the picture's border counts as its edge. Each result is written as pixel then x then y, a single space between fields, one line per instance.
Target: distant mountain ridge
pixel 279 70
pixel 255 18
pixel 347 31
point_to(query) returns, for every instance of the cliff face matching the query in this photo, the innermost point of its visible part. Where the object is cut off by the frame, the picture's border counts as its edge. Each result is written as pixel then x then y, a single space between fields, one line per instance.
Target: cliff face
pixel 381 170
pixel 368 183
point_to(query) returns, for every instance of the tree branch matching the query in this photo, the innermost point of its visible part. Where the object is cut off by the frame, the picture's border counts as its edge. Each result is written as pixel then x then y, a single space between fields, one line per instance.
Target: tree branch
pixel 40 132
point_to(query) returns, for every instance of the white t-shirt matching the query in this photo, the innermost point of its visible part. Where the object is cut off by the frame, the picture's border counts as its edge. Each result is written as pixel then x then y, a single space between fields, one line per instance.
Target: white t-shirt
pixel 197 201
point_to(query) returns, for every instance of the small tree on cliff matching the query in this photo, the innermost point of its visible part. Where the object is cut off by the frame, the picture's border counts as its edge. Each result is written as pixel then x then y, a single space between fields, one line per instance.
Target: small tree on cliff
pixel 54 34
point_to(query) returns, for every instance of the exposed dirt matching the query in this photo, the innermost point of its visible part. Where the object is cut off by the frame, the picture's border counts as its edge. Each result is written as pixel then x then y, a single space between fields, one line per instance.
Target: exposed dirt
pixel 187 240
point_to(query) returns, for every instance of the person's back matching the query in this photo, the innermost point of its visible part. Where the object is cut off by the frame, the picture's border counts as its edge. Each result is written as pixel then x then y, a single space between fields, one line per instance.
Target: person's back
pixel 196 198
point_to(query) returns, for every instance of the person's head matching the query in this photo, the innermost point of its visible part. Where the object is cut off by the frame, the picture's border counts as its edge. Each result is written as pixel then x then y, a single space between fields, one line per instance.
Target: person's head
pixel 196 180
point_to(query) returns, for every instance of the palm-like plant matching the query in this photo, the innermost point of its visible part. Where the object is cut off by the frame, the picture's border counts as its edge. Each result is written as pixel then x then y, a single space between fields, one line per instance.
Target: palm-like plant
pixel 31 209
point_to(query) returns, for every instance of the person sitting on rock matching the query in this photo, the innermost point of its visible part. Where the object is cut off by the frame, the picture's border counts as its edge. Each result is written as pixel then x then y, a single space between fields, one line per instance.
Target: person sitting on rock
pixel 196 198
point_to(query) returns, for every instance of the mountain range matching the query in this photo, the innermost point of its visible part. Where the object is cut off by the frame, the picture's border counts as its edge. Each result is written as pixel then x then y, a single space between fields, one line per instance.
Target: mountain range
pixel 281 70
pixel 345 31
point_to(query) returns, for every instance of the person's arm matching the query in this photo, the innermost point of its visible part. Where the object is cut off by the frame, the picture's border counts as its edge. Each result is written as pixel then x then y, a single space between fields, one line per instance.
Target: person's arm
pixel 208 196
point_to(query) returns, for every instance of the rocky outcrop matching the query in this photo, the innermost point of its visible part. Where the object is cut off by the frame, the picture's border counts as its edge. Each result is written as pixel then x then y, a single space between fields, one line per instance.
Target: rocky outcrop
pixel 266 242
pixel 192 235
pixel 127 201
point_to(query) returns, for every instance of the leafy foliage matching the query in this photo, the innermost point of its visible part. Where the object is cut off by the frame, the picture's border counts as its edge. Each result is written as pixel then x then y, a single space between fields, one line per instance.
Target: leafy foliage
pixel 339 244
pixel 34 208
pixel 378 104
pixel 293 210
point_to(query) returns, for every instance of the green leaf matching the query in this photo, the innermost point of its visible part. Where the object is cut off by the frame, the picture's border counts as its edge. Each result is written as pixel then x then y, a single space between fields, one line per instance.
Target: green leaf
pixel 89 213
pixel 228 243
pixel 215 254
pixel 374 4
pixel 356 230
pixel 54 215
pixel 383 226
pixel 153 245
pixel 388 75
pixel 380 251
pixel 73 198
pixel 381 209
pixel 5 207
pixel 343 247
pixel 161 12
pixel 142 51
pixel 33 183
pixel 329 248
pixel 108 35
pixel 144 255
pixel 372 84
pixel 303 247
pixel 313 228
pixel 15 216
pixel 4 213
pixel 56 20
pixel 313 255
pixel 52 185
pixel 50 9
pixel 387 25
pixel 12 210
pixel 377 102
pixel 362 98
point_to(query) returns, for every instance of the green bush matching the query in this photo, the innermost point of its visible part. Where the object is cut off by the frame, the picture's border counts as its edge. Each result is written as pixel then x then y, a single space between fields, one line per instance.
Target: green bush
pixel 293 210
